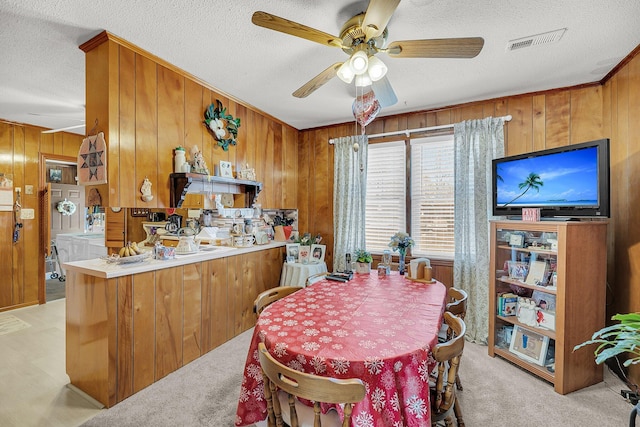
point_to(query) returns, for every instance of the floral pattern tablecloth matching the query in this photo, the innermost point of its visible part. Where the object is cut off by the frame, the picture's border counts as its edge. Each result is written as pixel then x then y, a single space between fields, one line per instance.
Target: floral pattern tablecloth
pixel 378 329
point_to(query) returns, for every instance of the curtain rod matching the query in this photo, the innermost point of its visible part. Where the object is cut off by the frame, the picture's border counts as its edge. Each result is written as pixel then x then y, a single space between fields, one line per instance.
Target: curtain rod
pixel 408 132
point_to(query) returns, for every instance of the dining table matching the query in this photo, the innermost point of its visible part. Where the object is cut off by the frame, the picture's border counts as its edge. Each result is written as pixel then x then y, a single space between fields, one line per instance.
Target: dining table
pixel 380 329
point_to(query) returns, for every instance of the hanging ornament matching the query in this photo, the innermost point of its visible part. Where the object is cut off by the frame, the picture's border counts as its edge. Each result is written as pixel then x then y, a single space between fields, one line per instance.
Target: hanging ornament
pixel 365 108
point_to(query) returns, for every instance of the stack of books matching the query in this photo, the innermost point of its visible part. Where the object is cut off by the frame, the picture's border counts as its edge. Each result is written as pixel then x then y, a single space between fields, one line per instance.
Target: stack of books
pixel 506 304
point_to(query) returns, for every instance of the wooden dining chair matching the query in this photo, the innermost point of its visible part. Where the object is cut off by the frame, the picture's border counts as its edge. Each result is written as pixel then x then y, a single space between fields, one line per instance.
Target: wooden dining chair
pixel 458 300
pixel 271 295
pixel 293 384
pixel 444 402
pixel 315 278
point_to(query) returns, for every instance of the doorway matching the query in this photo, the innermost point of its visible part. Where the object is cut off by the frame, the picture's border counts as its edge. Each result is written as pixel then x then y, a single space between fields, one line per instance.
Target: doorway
pixel 62 203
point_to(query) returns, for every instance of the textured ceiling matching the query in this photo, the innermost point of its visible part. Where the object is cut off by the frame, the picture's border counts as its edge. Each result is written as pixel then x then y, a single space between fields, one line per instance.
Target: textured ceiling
pixel 42 69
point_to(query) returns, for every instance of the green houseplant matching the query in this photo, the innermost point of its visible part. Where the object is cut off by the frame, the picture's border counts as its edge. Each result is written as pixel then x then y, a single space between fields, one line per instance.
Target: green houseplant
pixel 363 261
pixel 613 340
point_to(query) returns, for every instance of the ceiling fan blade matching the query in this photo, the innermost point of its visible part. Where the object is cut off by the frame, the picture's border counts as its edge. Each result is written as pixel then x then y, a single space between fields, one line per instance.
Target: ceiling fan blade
pixel 272 22
pixel 466 47
pixel 316 82
pixel 384 92
pixel 377 16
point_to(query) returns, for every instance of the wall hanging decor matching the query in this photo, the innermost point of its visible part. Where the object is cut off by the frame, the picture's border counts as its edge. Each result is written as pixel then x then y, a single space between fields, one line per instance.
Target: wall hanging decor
pixel 222 126
pixel 66 207
pixel 92 160
pixel 145 189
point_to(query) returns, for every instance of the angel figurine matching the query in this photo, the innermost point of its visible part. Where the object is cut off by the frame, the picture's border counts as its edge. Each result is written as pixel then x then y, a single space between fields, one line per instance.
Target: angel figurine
pixel 199 165
pixel 146 190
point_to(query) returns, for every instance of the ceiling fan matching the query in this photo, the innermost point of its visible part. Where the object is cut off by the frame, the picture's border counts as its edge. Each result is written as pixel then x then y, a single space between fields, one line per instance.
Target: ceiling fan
pixel 362 37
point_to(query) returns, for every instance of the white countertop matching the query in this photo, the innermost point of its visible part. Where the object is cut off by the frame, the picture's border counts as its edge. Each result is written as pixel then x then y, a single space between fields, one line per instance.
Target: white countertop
pixel 100 268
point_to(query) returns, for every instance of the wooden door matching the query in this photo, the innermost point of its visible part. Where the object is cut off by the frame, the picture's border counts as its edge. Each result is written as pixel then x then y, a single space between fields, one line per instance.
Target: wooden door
pixel 61 223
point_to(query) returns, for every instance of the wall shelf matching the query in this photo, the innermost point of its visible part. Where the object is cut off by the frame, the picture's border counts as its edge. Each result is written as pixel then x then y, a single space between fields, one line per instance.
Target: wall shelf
pixel 193 183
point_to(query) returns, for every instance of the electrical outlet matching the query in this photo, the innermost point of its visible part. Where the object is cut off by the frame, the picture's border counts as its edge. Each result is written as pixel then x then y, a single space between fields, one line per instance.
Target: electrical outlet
pixel 28 189
pixel 27 213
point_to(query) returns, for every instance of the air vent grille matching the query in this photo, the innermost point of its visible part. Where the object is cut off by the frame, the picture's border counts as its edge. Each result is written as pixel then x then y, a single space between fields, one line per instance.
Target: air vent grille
pixel 538 39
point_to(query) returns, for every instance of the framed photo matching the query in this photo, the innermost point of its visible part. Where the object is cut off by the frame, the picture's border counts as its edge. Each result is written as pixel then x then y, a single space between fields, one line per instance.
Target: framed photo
pixel 225 169
pixel 518 270
pixel 317 253
pixel 529 345
pixel 55 175
pixel 304 254
pixel 537 273
pixel 293 250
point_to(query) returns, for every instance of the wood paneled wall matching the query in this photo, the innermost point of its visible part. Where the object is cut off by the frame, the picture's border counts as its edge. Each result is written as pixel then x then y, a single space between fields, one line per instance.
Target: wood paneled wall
pixel 622 124
pixel 540 121
pixel 147 107
pixel 20 148
pixel 124 334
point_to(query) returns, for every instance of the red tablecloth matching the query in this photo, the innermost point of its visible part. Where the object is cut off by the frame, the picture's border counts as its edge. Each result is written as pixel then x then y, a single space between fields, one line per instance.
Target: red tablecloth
pixel 380 330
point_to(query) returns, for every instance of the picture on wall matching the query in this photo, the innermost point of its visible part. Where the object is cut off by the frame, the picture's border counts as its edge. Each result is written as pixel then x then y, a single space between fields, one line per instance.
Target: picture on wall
pixel 92 160
pixel 55 175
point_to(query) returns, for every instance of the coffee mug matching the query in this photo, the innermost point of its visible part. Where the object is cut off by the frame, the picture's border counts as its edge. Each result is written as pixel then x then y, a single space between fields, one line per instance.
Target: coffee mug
pixel 238 241
pixel 249 240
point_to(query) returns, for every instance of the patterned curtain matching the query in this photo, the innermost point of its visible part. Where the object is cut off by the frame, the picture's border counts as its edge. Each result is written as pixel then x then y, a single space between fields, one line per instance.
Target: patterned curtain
pixel 349 197
pixel 477 142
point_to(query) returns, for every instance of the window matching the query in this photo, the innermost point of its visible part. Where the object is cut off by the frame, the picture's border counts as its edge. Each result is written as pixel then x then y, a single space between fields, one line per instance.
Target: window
pixel 428 199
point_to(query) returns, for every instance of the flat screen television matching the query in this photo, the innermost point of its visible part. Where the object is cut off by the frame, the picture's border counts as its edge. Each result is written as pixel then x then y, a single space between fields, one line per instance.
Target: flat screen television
pixel 564 182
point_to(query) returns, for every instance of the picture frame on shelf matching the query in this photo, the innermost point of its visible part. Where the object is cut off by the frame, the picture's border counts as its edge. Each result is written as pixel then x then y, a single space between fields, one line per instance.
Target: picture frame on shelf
pixel 226 169
pixel 317 253
pixel 537 273
pixel 305 254
pixel 518 270
pixel 528 345
pixel 293 251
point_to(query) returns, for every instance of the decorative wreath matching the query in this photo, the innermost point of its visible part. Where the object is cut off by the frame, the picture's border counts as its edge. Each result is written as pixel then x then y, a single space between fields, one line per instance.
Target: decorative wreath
pixel 66 207
pixel 222 125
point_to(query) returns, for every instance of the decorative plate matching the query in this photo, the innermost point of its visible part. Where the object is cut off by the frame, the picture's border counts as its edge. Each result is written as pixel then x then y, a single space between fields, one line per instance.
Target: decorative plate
pixel 66 207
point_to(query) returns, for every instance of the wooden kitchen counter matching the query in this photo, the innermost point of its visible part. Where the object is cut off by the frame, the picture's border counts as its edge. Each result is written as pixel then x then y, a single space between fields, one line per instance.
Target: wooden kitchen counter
pixel 128 326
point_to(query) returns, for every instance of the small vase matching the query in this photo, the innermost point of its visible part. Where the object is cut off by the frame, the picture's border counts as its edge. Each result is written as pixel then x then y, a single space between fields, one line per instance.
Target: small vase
pixel 401 266
pixel 363 267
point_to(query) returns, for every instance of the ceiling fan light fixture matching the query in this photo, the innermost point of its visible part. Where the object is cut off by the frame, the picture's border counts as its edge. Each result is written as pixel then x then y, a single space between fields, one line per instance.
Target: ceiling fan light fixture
pixel 359 62
pixel 345 73
pixel 363 80
pixel 377 68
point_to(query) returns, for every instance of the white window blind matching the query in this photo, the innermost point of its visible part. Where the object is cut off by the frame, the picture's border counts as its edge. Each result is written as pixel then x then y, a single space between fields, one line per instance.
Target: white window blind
pixel 432 193
pixel 386 193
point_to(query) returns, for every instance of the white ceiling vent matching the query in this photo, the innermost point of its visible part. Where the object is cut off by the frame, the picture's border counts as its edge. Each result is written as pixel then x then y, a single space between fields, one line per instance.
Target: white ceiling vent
pixel 544 38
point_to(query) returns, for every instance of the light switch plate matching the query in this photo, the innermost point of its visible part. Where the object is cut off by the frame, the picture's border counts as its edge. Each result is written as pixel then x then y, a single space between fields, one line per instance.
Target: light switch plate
pixel 28 189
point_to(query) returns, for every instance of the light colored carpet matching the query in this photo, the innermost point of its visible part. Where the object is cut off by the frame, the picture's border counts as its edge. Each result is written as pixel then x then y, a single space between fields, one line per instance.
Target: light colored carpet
pixel 203 393
pixel 496 393
pixel 10 323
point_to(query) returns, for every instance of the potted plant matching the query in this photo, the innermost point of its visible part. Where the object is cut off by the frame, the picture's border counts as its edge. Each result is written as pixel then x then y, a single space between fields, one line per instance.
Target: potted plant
pixel 623 337
pixel 618 339
pixel 363 261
